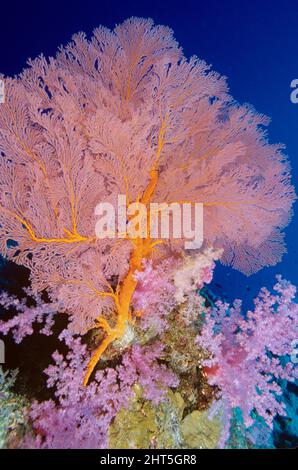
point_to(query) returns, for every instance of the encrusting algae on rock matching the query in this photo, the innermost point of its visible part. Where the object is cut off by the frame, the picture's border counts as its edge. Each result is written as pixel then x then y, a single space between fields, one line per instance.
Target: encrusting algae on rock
pixel 146 426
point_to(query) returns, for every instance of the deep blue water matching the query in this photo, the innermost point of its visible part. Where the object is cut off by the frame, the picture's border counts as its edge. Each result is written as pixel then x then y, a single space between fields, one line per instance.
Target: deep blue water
pixel 253 43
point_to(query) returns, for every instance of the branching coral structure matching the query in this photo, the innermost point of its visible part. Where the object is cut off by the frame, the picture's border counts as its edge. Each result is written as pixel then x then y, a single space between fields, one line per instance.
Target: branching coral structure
pixel 251 354
pixel 126 113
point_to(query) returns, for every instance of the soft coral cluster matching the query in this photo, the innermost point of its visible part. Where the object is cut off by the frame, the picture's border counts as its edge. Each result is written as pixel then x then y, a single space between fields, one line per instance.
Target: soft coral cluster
pixel 249 353
pixel 194 273
pixel 154 295
pixel 173 281
pixel 81 416
pixel 26 315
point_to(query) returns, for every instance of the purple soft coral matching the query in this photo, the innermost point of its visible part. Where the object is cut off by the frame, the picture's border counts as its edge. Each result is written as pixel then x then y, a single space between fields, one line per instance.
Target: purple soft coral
pixel 154 295
pixel 82 416
pixel 246 351
pixel 21 324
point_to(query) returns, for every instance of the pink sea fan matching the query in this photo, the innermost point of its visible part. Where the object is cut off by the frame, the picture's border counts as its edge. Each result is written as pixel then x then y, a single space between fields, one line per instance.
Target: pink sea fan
pixel 103 118
pixel 246 351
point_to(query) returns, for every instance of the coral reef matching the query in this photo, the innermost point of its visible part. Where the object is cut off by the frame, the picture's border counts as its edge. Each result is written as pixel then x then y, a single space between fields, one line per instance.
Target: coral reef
pixel 13 411
pixel 126 114
pixel 145 358
pixel 83 414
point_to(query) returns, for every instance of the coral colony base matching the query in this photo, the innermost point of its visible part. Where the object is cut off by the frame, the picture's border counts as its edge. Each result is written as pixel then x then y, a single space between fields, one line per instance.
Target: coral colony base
pixel 147 357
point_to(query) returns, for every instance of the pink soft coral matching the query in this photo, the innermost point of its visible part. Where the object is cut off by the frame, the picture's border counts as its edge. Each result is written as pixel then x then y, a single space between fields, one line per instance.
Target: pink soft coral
pixel 246 351
pixel 194 273
pixel 171 282
pixel 154 296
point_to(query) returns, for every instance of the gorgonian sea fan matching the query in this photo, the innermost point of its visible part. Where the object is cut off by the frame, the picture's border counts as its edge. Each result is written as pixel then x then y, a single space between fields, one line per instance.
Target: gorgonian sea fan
pixel 126 113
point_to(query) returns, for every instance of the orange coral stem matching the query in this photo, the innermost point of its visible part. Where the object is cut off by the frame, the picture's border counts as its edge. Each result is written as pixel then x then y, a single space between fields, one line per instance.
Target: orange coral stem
pixel 142 249
pixel 72 237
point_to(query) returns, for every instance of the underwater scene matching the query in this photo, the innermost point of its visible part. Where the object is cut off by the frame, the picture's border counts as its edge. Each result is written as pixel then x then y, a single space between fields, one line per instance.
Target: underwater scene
pixel 148 231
